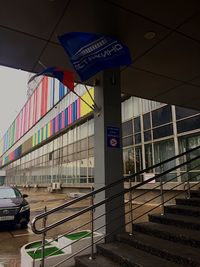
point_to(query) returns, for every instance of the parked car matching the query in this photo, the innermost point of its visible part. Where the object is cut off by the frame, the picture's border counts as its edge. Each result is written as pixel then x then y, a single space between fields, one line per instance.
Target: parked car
pixel 13 206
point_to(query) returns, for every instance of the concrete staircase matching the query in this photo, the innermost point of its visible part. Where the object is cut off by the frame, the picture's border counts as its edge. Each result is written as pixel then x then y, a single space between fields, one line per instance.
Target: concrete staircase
pixel 167 240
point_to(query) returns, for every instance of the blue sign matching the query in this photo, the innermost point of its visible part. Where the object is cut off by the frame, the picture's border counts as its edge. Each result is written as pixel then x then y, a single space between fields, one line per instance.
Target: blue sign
pixel 90 53
pixel 113 137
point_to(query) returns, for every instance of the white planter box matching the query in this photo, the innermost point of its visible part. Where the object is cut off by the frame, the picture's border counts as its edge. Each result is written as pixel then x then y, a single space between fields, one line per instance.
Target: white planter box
pixel 69 240
pixel 28 261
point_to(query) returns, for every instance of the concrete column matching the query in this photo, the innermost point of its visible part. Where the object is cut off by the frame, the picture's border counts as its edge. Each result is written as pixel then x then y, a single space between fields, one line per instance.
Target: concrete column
pixel 108 152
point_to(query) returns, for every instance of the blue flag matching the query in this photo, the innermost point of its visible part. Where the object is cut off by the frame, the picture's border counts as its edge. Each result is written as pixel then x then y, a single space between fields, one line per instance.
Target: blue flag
pixel 90 53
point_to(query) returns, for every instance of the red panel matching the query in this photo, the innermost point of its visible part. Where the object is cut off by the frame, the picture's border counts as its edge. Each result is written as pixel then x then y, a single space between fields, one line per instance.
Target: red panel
pixel 42 98
pixel 46 94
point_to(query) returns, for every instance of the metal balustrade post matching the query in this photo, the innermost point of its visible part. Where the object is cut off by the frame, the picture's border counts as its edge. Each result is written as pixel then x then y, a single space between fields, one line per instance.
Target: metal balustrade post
pixel 43 239
pixel 161 194
pixel 188 187
pixel 131 207
pixel 92 227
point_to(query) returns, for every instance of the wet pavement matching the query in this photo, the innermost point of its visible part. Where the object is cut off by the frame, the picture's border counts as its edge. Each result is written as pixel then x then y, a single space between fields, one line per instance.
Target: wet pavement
pixel 12 238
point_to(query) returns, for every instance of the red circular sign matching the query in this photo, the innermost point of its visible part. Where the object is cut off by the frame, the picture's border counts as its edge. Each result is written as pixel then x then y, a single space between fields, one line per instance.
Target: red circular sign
pixel 113 142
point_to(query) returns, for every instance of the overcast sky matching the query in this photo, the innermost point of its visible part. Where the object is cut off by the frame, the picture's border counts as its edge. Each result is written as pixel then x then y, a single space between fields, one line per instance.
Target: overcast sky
pixel 13 87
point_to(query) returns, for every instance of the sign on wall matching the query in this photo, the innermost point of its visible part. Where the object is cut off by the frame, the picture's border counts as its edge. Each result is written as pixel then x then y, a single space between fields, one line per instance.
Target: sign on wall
pixel 113 137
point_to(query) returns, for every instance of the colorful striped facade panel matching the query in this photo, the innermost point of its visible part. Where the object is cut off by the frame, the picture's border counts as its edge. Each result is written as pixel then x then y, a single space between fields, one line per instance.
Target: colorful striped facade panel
pixel 29 115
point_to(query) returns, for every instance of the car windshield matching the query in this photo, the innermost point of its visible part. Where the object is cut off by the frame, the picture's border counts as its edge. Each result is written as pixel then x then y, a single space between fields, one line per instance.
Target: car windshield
pixel 9 193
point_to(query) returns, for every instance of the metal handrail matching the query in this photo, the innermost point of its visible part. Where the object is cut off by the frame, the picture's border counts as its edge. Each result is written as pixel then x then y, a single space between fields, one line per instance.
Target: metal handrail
pixel 103 237
pixel 123 192
pixel 124 179
pixel 130 201
pixel 91 194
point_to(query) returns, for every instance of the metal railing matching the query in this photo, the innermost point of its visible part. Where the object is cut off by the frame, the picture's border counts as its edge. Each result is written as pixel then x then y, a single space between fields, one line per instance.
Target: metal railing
pixel 160 181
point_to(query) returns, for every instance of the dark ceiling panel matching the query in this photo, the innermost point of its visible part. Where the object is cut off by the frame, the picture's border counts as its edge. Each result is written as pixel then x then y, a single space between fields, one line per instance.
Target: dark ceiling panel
pixel 181 96
pixel 33 17
pixel 170 13
pixel 87 16
pixel 191 28
pixel 159 64
pixel 129 28
pixel 176 57
pixel 18 50
pixel 54 55
pixel 143 84
pixel 195 81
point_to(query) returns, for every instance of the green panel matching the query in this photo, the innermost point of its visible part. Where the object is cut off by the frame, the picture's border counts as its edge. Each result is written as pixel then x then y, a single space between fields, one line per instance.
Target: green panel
pixel 79 235
pixel 47 252
pixel 36 244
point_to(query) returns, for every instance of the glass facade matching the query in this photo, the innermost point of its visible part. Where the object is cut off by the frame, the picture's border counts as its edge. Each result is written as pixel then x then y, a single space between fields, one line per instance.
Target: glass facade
pixel 151 132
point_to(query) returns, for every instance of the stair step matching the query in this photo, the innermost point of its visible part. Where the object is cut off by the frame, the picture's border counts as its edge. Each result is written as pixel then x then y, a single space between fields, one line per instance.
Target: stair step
pixel 169 232
pixel 182 254
pixel 195 201
pixel 176 220
pixel 99 261
pixel 183 210
pixel 126 255
pixel 195 193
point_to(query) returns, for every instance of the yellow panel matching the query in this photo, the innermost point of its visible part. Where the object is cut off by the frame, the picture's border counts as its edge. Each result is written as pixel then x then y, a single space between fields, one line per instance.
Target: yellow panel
pixel 33 140
pixel 44 133
pixel 84 109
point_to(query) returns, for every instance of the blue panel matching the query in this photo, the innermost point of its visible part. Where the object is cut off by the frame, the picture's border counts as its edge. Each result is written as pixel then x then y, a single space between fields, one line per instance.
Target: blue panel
pixel 66 117
pixel 59 121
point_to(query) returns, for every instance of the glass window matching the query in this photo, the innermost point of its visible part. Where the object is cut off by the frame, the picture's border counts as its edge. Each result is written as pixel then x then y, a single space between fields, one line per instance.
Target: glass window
pixel 83 130
pixel 136 106
pixel 137 138
pixel 162 151
pixel 91 169
pixel 55 144
pixel 78 133
pixel 83 154
pixel 146 121
pixel 83 168
pixel 148 156
pixel 128 112
pixel 65 139
pixel 138 162
pixel 70 137
pixel 91 127
pixel 145 105
pixel 184 112
pixel 84 144
pixel 190 171
pixel 91 141
pixel 91 152
pixel 188 124
pixel 127 141
pixel 163 131
pixel 78 146
pixel 137 126
pixel 128 156
pixel 127 128
pixel 65 151
pixel 147 136
pixel 161 116
pixel 70 149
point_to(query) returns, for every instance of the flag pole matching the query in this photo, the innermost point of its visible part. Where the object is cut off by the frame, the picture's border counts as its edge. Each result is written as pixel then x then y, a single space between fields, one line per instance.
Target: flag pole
pixel 94 103
pixel 92 107
pixel 83 100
